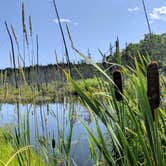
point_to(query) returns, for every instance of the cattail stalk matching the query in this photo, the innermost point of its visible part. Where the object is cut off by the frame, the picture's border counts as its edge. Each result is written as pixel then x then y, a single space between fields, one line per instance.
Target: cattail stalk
pixel 153 86
pixel 37 55
pixel 117 78
pixel 13 54
pixel 11 59
pixel 25 34
pixel 23 29
pixel 21 71
pixel 146 15
pixel 118 57
pixel 30 25
pixel 14 34
pixel 31 36
pixel 17 44
pixel 63 38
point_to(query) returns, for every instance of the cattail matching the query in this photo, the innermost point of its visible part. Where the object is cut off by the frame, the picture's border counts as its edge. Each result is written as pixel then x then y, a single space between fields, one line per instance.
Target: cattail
pixel 30 25
pixel 56 57
pixel 26 38
pixel 23 18
pixel 153 85
pixel 21 71
pixel 53 143
pixel 117 44
pixel 17 43
pixel 13 53
pixel 23 24
pixel 14 34
pixel 117 78
pixel 117 52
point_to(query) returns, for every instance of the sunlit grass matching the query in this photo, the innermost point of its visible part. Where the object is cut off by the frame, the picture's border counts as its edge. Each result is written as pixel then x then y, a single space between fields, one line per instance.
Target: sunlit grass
pixel 9 155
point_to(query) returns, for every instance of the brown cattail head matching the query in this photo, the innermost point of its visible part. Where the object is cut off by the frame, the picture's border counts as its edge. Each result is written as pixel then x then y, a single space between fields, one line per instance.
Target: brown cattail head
pixel 24 25
pixel 53 143
pixel 117 78
pixel 153 85
pixel 26 38
pixel 117 52
pixel 23 18
pixel 117 44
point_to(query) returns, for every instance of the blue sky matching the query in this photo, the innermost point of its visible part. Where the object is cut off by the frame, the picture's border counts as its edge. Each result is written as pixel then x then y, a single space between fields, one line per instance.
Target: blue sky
pixel 93 24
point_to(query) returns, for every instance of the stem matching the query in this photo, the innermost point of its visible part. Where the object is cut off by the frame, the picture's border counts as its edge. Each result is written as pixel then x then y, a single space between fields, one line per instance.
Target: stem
pixel 63 37
pixel 12 46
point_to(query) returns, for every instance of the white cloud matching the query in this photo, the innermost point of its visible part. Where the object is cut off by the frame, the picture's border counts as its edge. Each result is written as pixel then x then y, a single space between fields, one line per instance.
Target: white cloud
pixel 75 23
pixel 159 13
pixel 65 20
pixel 151 22
pixel 62 20
pixel 135 9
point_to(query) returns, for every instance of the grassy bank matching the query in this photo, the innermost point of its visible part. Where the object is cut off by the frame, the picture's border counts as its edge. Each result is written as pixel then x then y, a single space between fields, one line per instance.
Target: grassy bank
pixel 43 93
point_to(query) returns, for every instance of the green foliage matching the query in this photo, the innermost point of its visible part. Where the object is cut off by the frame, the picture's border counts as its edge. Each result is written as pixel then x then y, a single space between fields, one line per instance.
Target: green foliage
pixel 133 137
pixel 9 155
pixel 152 45
pixel 51 92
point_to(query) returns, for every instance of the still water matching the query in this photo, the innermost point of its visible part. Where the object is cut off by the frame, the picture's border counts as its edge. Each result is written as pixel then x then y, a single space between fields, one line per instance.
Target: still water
pixel 45 120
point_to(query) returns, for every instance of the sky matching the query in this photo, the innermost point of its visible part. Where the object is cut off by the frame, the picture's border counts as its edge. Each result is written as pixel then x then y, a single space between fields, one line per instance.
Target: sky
pixel 94 24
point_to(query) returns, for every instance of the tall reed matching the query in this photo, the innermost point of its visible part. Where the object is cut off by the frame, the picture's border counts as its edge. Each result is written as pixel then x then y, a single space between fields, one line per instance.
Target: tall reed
pixel 13 54
pixel 134 139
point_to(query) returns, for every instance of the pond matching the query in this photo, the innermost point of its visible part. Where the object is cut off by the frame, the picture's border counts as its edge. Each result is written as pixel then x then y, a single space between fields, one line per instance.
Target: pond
pixel 48 121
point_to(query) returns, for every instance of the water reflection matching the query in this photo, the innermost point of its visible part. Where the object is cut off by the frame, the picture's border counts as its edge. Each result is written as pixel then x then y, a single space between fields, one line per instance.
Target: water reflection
pixel 44 122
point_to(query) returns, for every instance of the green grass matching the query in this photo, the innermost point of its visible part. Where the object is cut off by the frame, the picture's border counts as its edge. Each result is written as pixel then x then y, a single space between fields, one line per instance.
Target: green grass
pixel 7 153
pixel 133 138
pixel 53 92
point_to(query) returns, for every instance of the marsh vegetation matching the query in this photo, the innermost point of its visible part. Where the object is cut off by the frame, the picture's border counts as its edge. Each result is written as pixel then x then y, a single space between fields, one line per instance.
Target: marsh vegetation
pixel 107 113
